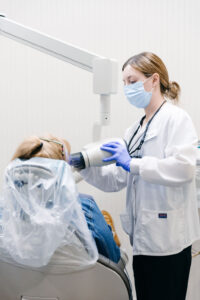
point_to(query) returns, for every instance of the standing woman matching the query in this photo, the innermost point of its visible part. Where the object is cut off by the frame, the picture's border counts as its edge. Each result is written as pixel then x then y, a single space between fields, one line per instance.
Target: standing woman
pixel 158 169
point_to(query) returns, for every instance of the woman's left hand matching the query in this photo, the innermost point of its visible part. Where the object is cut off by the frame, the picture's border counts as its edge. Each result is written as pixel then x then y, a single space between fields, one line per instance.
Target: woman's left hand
pixel 120 154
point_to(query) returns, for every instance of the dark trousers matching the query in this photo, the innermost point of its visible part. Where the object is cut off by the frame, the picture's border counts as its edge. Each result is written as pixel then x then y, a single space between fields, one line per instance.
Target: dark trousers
pixel 162 277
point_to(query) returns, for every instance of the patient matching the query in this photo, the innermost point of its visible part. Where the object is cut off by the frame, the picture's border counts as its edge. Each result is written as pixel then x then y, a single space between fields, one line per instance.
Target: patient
pixel 56 148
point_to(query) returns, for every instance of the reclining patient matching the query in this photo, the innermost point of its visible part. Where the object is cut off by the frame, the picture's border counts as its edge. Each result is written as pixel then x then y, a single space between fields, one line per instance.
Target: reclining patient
pixel 33 159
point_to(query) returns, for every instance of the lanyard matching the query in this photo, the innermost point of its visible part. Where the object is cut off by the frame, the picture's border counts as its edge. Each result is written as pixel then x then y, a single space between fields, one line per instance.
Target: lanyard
pixel 130 150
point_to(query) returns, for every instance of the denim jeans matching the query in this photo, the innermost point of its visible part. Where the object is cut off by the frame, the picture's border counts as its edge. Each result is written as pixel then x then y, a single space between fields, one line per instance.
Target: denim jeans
pixel 100 230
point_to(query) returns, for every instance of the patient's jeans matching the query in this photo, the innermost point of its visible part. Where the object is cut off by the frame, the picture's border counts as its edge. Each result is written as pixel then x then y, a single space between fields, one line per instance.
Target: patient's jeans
pixel 100 230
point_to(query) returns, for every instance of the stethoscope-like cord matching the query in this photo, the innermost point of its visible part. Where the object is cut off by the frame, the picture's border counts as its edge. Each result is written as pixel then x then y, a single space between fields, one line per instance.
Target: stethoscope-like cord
pixel 144 135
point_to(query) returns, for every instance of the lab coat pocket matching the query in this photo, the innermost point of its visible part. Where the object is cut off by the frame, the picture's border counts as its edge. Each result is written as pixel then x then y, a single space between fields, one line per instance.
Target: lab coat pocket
pixel 126 223
pixel 162 231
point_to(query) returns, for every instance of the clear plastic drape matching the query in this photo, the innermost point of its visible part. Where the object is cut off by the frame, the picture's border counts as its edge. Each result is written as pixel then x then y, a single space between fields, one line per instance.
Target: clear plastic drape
pixel 41 220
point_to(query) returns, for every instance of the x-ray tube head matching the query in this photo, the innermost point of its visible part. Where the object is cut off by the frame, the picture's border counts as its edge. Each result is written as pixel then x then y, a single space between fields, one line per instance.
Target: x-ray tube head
pixel 92 155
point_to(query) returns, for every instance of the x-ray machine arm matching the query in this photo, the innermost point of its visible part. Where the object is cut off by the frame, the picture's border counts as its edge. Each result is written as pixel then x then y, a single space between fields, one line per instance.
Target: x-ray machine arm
pixel 104 70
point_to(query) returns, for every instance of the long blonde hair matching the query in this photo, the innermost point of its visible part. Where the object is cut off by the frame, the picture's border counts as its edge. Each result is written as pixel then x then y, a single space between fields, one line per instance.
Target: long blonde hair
pixel 149 63
pixel 35 146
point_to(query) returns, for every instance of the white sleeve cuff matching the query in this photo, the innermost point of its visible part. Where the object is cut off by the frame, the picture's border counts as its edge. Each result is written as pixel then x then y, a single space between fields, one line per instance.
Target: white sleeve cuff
pixel 135 166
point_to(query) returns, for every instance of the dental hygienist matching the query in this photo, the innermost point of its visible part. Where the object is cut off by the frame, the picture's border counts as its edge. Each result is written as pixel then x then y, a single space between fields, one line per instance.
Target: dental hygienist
pixel 158 169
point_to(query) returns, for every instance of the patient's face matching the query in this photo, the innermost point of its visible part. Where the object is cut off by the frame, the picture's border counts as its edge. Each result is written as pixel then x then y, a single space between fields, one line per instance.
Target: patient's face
pixel 67 149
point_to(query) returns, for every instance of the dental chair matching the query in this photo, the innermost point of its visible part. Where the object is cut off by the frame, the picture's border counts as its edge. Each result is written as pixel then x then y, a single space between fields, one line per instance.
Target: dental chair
pixel 67 266
pixel 105 280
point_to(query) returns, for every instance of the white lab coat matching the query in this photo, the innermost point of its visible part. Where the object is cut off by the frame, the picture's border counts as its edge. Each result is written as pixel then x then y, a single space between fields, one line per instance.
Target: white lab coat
pixel 161 215
pixel 198 178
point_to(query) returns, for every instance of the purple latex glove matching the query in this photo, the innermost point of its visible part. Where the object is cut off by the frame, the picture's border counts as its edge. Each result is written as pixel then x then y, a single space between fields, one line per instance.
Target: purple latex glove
pixel 120 154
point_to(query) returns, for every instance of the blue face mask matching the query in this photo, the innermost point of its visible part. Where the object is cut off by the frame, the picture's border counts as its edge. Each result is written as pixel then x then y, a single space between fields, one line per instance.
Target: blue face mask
pixel 136 94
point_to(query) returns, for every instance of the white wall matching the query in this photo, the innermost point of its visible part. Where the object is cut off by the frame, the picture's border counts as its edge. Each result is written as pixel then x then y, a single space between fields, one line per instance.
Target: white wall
pixel 41 94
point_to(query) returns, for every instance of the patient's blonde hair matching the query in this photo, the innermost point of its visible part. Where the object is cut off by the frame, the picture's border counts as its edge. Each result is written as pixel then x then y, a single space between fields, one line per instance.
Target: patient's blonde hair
pixel 34 146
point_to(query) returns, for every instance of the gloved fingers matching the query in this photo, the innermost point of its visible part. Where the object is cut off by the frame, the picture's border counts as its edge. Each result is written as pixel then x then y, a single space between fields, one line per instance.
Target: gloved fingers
pixel 110 158
pixel 112 144
pixel 108 149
